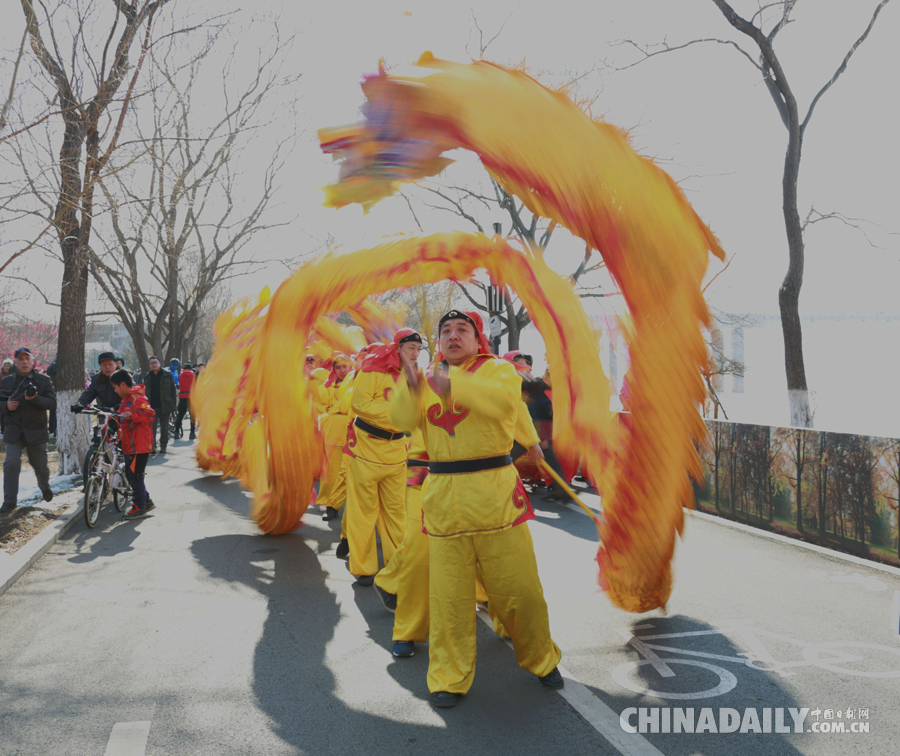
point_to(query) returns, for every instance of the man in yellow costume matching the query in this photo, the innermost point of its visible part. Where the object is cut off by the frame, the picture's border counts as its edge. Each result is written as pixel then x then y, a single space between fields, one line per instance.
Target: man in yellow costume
pixel 474 508
pixel 376 472
pixel 334 423
pixel 402 585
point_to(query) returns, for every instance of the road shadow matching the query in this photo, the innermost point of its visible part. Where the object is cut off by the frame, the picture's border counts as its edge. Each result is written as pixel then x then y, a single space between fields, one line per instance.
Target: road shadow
pixel 112 536
pixel 559 516
pixel 298 655
pixel 695 687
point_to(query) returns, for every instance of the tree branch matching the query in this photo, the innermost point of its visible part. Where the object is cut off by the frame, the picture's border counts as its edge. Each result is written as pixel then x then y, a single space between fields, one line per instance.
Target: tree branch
pixel 842 67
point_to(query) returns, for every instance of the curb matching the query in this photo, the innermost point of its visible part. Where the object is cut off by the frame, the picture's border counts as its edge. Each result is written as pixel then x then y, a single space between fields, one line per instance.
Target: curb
pixel 872 564
pixel 24 559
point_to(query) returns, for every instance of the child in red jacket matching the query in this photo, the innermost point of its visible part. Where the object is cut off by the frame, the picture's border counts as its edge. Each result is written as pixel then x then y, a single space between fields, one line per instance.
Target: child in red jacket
pixel 136 437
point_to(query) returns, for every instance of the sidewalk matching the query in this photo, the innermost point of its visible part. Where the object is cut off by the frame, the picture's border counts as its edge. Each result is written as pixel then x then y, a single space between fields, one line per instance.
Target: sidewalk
pixel 28 532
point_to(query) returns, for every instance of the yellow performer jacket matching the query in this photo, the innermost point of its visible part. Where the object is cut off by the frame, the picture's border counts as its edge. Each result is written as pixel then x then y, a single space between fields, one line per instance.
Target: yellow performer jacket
pixel 480 419
pixel 336 418
pixel 370 402
pixel 317 390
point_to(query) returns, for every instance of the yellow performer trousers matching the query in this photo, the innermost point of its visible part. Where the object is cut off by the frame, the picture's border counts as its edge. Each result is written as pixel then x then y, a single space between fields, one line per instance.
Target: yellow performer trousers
pixel 406 575
pixel 514 593
pixel 333 490
pixel 375 496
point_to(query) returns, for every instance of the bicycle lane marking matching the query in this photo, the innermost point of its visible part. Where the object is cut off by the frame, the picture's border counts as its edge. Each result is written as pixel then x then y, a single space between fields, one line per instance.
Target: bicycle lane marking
pixel 595 712
pixel 728 681
pixel 128 739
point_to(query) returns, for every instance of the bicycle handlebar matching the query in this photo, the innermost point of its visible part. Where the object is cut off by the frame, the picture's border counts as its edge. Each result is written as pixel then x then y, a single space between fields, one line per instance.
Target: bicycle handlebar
pixel 100 411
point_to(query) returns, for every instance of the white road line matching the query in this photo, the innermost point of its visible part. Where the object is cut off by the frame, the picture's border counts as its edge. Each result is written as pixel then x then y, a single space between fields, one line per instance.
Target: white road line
pixel 596 713
pixel 128 739
pixel 188 526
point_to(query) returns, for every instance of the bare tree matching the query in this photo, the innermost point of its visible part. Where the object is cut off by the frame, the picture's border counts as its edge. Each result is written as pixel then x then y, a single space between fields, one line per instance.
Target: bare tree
pixel 179 221
pixel 762 28
pixel 528 230
pixel 99 45
pixel 889 480
pixel 427 302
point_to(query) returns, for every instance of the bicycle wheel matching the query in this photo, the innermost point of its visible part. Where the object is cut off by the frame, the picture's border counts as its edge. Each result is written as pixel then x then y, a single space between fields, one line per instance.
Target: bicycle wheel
pixel 92 464
pixel 122 494
pixel 93 498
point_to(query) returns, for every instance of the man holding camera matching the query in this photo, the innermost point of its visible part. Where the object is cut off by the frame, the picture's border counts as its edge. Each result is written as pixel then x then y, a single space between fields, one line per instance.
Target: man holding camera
pixel 25 398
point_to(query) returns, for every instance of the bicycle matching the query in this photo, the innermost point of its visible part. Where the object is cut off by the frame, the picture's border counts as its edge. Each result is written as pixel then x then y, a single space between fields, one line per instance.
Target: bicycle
pixel 827 656
pixel 105 469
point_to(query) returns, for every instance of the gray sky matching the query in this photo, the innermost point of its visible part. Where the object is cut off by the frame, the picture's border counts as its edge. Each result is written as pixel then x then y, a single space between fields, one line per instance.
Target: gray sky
pixel 703 112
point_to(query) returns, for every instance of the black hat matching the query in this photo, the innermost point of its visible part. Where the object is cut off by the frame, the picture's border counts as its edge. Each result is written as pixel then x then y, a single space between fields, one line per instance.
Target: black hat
pixel 410 337
pixel 458 314
pixel 104 356
pixel 187 366
pixel 23 350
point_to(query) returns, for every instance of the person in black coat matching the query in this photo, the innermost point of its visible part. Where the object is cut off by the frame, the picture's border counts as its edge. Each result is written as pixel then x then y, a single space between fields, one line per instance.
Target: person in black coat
pixel 25 398
pixel 100 389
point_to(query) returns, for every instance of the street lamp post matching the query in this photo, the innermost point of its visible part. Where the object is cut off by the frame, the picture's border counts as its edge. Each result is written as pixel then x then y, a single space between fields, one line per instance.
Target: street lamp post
pixel 495 304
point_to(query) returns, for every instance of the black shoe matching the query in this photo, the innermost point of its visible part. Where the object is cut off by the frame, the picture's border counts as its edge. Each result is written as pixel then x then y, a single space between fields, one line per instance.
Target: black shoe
pixel 404 649
pixel 162 450
pixel 390 603
pixel 444 700
pixel 150 505
pixel 330 514
pixel 192 437
pixel 48 495
pixel 7 508
pixel 343 549
pixel 135 513
pixel 554 680
pixel 154 452
pixel 365 580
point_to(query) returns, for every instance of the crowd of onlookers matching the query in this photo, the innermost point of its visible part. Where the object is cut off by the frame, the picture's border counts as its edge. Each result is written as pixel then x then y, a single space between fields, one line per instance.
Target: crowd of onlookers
pixel 145 402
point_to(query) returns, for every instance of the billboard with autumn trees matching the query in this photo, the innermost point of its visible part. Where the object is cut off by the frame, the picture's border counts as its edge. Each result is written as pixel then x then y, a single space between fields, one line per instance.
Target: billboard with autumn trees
pixel 835 489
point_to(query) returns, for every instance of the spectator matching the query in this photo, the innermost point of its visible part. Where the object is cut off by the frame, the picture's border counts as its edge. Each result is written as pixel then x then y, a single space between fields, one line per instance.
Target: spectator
pixel 175 368
pixel 163 397
pixel 120 363
pixel 6 370
pixel 51 372
pixel 185 384
pixel 137 417
pixel 25 398
pixel 100 388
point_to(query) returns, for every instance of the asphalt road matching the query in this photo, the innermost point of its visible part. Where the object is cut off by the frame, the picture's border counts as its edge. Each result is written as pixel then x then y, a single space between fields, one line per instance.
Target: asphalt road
pixel 187 632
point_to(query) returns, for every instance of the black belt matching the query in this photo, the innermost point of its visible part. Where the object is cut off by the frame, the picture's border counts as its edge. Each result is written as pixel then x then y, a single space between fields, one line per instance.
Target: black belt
pixel 374 430
pixel 469 465
pixel 417 463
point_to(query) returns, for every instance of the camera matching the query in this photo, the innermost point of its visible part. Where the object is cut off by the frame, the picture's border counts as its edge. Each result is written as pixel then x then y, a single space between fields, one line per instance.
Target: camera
pixel 30 389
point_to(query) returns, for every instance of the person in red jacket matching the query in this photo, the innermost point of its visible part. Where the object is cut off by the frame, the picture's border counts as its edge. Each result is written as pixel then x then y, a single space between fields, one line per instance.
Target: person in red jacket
pixel 136 437
pixel 185 384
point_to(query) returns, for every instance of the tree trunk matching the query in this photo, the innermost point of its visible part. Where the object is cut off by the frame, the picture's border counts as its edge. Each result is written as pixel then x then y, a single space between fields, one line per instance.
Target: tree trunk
pixel 72 438
pixel 789 294
pixel 800 461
